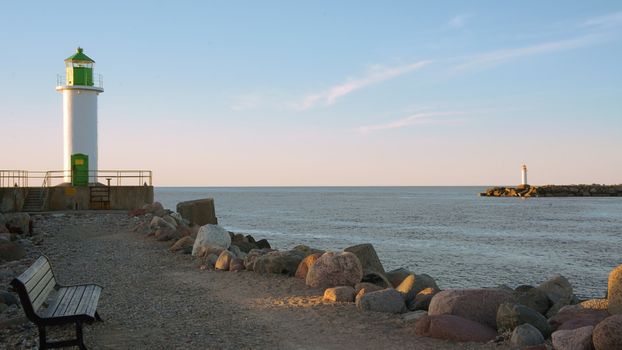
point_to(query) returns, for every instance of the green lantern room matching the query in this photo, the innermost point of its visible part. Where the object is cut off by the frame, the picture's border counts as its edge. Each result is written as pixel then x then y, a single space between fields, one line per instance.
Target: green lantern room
pixel 79 69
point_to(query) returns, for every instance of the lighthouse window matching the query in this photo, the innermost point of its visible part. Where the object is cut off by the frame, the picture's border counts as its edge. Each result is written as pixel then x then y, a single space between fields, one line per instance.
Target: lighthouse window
pixel 82 65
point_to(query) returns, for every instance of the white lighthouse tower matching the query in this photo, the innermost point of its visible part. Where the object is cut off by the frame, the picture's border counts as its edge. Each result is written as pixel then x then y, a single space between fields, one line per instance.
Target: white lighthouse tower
pixel 524 175
pixel 80 92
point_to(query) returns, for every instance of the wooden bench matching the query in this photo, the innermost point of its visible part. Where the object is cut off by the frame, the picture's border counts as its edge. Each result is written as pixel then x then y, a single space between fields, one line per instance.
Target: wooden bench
pixel 47 303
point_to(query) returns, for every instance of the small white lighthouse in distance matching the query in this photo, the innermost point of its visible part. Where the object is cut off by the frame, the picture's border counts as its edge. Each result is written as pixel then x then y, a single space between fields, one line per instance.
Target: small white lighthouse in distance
pixel 80 92
pixel 524 175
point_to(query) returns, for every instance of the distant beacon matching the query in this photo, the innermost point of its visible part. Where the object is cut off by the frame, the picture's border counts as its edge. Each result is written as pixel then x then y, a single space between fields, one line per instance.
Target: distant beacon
pixel 524 175
pixel 80 92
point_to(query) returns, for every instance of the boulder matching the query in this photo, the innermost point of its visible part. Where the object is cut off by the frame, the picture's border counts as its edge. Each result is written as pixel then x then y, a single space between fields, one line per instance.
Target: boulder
pixel 166 234
pixel 575 316
pixel 454 328
pixel 559 292
pixel 369 287
pixel 244 246
pixel 376 278
pixel 607 335
pixel 414 316
pixel 224 260
pixel 335 269
pixel 533 298
pixel 19 223
pixel 303 267
pixel 510 316
pixel 155 208
pixel 526 335
pixel 213 235
pixel 263 244
pixel 308 250
pixel 614 291
pixel 367 256
pixel 198 212
pixel 413 284
pixel 422 299
pixel 479 305
pixel 386 300
pixel 252 256
pixel 211 259
pixel 285 263
pixel 158 222
pixel 170 220
pixel 236 264
pixel 235 250
pixel 183 244
pixel 344 294
pixel 206 250
pixel 397 276
pixel 10 251
pixel 573 339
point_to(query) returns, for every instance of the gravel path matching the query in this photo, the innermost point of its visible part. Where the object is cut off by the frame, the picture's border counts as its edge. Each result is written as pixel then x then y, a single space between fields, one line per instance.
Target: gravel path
pixel 154 299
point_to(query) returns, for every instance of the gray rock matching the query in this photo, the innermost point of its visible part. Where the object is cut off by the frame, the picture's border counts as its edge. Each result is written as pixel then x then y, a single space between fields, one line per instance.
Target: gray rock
pixel 559 292
pixel 367 256
pixel 422 299
pixel 344 294
pixel 413 284
pixel 198 212
pixel 376 278
pixel 526 335
pixel 510 316
pixel 235 250
pixel 285 263
pixel 236 264
pixel 212 235
pixel 386 300
pixel 533 298
pixel 397 276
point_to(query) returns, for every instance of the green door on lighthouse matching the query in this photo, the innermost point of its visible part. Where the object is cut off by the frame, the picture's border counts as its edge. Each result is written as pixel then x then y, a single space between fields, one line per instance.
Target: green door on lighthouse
pixel 79 169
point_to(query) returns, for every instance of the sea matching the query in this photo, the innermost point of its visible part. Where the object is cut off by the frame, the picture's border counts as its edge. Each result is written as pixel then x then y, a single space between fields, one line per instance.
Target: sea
pixel 450 233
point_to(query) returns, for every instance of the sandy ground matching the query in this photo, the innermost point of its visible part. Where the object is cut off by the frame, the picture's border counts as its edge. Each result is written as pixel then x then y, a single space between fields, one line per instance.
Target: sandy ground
pixel 154 299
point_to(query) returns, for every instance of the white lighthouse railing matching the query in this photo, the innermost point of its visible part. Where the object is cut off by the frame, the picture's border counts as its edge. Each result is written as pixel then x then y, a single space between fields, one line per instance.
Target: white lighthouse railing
pixel 98 80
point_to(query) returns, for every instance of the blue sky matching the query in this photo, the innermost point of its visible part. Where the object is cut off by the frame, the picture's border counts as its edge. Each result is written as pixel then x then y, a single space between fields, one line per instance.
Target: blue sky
pixel 325 93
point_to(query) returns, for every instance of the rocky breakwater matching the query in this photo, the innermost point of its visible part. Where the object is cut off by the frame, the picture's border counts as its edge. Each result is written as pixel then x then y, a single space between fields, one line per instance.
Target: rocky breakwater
pixel 527 316
pixel 527 191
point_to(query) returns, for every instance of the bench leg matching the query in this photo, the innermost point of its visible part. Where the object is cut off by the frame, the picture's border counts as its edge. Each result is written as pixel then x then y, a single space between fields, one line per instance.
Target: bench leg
pixel 97 318
pixel 79 336
pixel 42 338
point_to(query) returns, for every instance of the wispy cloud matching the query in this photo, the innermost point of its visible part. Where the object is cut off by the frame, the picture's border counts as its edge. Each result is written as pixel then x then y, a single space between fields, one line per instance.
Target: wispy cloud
pixel 459 21
pixel 376 75
pixel 492 58
pixel 424 117
pixel 607 21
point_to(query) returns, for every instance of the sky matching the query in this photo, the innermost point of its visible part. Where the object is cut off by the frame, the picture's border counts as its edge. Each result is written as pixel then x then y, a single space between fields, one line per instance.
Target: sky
pixel 325 93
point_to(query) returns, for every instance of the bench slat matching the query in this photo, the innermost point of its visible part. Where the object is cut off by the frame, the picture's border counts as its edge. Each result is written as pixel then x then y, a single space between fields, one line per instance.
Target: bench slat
pixel 42 288
pixel 37 276
pixel 49 312
pixel 86 298
pixel 43 296
pixel 75 301
pixel 92 303
pixel 60 310
pixel 27 275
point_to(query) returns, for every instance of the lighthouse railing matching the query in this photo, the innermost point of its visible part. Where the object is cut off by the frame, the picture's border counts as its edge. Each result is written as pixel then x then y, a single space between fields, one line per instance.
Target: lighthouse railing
pixel 27 178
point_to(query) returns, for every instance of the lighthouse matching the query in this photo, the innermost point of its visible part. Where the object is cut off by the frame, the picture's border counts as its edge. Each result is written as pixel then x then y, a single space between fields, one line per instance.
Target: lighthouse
pixel 80 90
pixel 524 175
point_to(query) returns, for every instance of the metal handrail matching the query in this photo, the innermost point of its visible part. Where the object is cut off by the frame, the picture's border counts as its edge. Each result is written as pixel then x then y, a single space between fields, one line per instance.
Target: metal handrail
pixel 98 80
pixel 20 178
